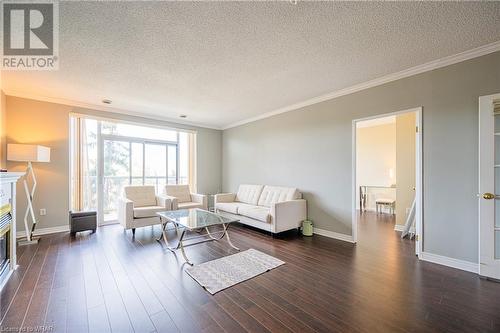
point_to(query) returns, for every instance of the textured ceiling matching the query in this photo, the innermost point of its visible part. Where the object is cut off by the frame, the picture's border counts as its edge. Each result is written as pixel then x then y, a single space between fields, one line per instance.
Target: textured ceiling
pixel 223 62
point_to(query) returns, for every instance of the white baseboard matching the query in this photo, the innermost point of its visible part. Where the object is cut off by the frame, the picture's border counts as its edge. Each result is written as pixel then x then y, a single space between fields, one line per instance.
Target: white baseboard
pixel 44 231
pixel 450 262
pixel 332 234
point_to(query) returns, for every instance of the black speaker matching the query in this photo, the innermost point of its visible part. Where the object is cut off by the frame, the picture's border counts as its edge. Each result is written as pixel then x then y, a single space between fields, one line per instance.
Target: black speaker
pixel 82 221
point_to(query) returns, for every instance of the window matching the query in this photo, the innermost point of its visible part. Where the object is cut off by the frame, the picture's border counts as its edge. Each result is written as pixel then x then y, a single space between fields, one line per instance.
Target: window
pixel 108 155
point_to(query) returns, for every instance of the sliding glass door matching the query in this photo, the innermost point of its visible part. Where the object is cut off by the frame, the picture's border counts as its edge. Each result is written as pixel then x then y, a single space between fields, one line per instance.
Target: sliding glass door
pixel 132 161
pixel 116 174
pixel 108 156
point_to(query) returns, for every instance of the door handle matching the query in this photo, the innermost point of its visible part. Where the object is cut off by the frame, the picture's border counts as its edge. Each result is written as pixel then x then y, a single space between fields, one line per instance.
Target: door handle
pixel 488 196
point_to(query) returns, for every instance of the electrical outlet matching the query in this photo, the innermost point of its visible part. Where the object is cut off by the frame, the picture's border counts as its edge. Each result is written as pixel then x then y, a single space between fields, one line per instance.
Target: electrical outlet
pixel 43 211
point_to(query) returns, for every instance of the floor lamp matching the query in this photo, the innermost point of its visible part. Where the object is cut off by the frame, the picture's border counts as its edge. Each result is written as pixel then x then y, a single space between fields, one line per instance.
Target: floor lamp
pixel 28 153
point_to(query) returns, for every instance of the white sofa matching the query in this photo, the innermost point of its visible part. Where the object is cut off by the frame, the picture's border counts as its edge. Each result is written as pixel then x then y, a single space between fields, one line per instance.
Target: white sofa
pixel 271 208
pixel 139 205
pixel 182 198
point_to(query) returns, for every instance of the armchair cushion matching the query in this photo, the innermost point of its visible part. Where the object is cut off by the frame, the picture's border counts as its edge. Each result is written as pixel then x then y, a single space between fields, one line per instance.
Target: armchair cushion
pixel 200 199
pixel 141 195
pixel 230 207
pixel 272 194
pixel 164 201
pixel 255 212
pixel 148 211
pixel 224 197
pixel 181 192
pixel 125 212
pixel 188 205
pixel 249 194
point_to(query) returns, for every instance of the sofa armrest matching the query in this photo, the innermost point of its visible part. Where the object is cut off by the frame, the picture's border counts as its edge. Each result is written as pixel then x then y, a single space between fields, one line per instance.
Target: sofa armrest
pixel 164 201
pixel 125 212
pixel 224 197
pixel 287 215
pixel 174 202
pixel 200 198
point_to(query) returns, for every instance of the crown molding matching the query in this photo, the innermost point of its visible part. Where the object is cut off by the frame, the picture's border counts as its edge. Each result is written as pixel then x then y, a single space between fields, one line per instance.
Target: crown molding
pixel 97 107
pixel 429 66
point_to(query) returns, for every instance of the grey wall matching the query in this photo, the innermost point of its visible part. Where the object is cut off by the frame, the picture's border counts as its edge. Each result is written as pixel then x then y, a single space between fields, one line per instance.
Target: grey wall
pixel 36 122
pixel 310 148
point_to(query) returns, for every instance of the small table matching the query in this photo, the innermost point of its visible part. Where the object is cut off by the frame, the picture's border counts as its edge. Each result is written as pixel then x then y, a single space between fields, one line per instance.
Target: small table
pixel 194 220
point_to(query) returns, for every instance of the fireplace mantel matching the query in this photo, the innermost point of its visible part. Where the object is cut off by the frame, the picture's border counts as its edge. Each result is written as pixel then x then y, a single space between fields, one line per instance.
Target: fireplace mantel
pixel 8 196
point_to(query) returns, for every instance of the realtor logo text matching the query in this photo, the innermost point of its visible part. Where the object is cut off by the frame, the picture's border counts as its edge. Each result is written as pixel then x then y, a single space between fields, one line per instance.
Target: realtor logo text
pixel 30 35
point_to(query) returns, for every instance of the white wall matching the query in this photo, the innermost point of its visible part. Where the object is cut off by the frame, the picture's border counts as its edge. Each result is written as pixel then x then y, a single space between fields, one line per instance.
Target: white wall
pixel 375 157
pixel 405 164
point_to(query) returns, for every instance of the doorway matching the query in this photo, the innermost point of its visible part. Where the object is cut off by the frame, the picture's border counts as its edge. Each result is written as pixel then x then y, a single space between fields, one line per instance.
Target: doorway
pixel 489 186
pixel 376 185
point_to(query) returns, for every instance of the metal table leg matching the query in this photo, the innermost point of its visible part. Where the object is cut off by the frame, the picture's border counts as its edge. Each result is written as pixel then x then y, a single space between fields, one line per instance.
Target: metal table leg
pixel 226 226
pixel 181 246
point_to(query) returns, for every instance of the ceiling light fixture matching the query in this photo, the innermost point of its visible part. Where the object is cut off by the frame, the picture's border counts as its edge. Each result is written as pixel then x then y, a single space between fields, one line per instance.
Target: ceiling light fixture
pixel 106 101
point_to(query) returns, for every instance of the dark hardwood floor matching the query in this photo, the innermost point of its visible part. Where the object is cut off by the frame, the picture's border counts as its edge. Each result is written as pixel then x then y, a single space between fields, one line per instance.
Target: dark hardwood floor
pixel 108 282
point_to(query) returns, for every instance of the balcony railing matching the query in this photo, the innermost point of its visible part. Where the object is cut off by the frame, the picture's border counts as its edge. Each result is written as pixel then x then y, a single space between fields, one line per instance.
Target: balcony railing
pixel 113 189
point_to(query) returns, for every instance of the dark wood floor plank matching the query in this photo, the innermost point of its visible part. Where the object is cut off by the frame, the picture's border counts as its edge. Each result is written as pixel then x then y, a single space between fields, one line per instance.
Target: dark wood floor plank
pixel 285 318
pixel 185 291
pixel 163 322
pixel 112 282
pixel 264 318
pixel 40 300
pixel 57 309
pixel 15 314
pixel 77 315
pixel 117 313
pixel 235 311
pixel 159 283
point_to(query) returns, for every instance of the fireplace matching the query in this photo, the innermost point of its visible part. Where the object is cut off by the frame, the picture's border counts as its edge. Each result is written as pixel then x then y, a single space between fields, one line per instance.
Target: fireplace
pixel 5 222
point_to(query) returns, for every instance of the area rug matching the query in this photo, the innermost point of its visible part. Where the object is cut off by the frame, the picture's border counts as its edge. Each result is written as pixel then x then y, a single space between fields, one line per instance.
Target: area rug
pixel 219 274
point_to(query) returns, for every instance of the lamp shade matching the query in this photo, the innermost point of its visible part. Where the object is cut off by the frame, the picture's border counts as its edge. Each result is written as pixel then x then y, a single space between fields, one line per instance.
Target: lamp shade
pixel 28 153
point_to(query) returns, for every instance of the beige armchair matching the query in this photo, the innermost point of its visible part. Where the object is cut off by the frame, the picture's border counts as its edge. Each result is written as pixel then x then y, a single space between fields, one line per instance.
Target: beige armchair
pixel 182 198
pixel 139 205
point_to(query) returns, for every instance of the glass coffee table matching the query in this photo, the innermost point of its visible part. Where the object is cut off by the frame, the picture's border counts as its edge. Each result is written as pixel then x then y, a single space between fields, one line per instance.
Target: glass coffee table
pixel 194 220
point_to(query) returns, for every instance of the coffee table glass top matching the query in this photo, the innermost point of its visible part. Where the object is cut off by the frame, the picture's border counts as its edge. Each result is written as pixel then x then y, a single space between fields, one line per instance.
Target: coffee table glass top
pixel 195 218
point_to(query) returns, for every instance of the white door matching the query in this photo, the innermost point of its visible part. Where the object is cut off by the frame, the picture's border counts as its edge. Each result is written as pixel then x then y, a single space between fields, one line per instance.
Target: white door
pixel 489 186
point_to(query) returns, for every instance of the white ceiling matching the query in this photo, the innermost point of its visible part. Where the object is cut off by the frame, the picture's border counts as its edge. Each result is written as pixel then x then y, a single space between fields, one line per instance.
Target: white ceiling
pixel 376 122
pixel 220 63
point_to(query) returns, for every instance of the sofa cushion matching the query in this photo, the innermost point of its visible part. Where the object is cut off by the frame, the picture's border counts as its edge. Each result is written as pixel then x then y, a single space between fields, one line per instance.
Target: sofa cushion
pixel 181 192
pixel 147 211
pixel 141 195
pixel 272 194
pixel 230 207
pixel 259 213
pixel 188 205
pixel 249 194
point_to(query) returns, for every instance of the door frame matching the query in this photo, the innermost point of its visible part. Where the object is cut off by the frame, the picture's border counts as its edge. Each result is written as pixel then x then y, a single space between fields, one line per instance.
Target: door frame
pixel 419 238
pixel 485 105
